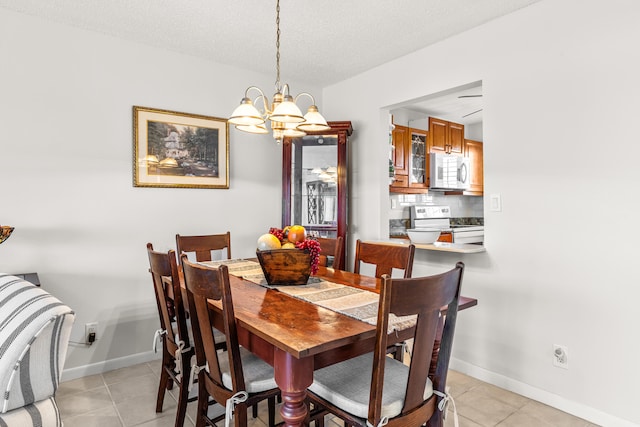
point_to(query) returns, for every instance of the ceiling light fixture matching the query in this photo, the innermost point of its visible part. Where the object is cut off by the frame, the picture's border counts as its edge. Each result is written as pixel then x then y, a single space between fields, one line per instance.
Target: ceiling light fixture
pixel 285 116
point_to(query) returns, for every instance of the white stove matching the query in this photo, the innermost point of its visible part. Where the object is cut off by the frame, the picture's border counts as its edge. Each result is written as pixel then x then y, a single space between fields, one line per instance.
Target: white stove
pixel 438 216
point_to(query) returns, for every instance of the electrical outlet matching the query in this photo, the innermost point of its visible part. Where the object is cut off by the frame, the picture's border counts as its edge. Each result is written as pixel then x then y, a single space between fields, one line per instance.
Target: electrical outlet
pixel 90 332
pixel 560 356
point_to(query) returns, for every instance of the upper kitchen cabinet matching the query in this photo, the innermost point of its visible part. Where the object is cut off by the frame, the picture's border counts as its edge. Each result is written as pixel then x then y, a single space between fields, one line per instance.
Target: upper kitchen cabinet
pixel 399 137
pixel 446 137
pixel 410 160
pixel 473 150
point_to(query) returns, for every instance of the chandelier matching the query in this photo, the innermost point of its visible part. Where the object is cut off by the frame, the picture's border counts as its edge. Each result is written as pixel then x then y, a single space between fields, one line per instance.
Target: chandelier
pixel 283 112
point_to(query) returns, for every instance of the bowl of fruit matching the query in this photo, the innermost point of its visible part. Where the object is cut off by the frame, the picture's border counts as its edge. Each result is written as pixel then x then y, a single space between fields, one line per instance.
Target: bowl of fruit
pixel 287 256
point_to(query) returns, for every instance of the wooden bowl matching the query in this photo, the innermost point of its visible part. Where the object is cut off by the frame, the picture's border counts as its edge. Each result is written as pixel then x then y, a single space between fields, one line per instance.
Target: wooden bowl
pixel 285 266
pixel 5 232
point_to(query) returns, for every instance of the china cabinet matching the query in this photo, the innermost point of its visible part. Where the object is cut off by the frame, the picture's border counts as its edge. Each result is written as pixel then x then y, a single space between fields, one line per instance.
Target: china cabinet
pixel 315 184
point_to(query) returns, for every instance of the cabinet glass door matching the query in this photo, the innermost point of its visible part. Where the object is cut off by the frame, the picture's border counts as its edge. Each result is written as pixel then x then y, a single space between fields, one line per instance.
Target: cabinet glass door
pixel 418 159
pixel 314 181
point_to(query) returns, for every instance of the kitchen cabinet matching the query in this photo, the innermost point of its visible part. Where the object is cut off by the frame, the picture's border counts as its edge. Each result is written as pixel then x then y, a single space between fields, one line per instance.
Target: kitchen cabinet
pixel 445 137
pixel 410 160
pixel 398 156
pixel 473 150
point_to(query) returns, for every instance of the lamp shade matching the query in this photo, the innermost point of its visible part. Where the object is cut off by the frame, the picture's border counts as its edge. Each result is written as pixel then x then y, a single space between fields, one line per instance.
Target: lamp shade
pixel 313 121
pixel 287 112
pixel 290 130
pixel 246 114
pixel 261 128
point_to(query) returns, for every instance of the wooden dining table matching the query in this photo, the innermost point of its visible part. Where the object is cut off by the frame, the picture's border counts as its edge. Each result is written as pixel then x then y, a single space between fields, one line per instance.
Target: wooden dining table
pixel 297 337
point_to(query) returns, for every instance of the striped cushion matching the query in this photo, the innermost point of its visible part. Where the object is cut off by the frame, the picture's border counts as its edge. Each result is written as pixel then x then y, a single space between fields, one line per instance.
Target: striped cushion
pixel 34 334
pixel 43 413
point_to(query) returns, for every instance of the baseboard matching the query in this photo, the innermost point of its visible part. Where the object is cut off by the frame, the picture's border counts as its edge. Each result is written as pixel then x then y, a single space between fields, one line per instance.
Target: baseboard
pixel 579 410
pixel 108 365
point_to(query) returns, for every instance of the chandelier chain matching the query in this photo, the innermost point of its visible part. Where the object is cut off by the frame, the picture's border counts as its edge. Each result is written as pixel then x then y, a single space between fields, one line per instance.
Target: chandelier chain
pixel 278 46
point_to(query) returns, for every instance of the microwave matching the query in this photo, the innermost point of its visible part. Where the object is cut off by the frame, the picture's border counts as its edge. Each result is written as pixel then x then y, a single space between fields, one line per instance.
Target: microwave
pixel 447 172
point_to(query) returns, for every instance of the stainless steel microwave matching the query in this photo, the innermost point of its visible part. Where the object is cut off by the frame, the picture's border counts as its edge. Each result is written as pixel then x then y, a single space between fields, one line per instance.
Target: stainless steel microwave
pixel 447 172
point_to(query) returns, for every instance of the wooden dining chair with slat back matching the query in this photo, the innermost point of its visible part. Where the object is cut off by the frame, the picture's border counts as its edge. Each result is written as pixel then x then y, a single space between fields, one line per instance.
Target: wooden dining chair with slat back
pixel 177 347
pixel 223 375
pixel 375 390
pixel 204 245
pixel 386 258
pixel 332 248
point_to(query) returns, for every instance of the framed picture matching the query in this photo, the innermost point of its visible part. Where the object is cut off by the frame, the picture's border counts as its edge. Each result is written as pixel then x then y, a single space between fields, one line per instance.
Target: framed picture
pixel 179 150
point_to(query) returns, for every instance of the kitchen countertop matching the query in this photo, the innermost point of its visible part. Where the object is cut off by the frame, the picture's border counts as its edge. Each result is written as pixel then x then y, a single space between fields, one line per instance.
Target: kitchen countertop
pixel 461 248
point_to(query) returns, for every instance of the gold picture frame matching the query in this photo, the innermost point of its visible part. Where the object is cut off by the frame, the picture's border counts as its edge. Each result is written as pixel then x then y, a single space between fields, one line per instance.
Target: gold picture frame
pixel 179 150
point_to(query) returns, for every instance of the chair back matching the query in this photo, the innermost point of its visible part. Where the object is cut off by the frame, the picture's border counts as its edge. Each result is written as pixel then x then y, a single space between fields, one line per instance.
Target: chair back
pixel 204 245
pixel 385 257
pixel 423 297
pixel 207 283
pixel 171 308
pixel 334 248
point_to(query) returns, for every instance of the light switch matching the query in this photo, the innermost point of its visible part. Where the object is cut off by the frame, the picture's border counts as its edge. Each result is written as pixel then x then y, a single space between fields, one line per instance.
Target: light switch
pixel 495 203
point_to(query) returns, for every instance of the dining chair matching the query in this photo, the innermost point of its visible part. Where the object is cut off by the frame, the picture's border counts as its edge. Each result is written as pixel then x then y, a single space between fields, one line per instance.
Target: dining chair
pixel 177 348
pixel 332 248
pixel 236 377
pixel 393 393
pixel 385 257
pixel 204 245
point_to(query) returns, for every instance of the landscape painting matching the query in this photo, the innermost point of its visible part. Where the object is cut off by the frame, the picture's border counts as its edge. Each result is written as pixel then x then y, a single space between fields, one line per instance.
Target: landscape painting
pixel 173 149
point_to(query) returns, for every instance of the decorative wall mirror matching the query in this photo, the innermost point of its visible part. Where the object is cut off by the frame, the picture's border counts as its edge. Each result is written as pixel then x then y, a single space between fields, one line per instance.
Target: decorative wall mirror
pixel 315 181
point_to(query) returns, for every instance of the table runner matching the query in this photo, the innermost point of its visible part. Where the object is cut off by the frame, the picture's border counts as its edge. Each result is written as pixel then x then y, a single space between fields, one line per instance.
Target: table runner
pixel 357 303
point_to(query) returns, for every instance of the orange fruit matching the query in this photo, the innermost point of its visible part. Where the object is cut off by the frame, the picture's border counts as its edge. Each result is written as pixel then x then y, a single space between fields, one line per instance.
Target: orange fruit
pixel 297 233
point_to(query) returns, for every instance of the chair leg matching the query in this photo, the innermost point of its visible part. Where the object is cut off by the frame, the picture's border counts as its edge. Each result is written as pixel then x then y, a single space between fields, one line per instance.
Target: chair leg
pixel 162 387
pixel 203 405
pixel 254 410
pixel 183 396
pixel 271 405
pixel 398 354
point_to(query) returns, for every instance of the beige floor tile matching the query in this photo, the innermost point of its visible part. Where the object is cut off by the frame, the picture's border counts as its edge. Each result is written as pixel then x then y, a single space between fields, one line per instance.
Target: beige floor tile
pixel 80 385
pixel 483 408
pixel 145 384
pixel 138 409
pixel 127 373
pixel 462 422
pixel 459 383
pixel 538 414
pixel 155 366
pixel 76 404
pixel 107 417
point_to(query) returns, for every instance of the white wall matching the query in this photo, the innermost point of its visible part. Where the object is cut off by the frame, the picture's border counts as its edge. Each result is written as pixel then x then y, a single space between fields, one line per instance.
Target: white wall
pixel 560 88
pixel 66 98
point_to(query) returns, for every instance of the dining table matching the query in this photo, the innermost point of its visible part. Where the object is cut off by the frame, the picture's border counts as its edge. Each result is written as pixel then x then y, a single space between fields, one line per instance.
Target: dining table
pixel 297 336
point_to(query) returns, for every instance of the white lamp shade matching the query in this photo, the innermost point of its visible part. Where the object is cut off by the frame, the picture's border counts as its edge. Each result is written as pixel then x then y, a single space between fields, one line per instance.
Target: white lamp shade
pixel 261 128
pixel 287 112
pixel 290 130
pixel 313 121
pixel 246 114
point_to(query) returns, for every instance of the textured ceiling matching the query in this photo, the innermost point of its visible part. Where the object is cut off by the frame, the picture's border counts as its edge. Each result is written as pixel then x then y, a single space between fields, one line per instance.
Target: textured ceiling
pixel 322 41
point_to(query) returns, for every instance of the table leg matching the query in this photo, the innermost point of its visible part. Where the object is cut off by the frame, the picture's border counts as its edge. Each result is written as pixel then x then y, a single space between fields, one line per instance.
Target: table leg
pixel 293 377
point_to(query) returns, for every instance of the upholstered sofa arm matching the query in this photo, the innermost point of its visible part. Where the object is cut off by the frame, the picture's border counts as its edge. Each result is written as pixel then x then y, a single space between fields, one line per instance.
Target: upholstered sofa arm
pixel 34 334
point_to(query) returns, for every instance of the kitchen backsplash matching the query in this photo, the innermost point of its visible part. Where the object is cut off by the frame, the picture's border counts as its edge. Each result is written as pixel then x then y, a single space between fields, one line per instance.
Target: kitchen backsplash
pixel 464 209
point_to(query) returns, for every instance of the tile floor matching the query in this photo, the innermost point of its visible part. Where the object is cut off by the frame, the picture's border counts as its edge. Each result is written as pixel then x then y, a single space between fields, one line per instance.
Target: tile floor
pixel 126 397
